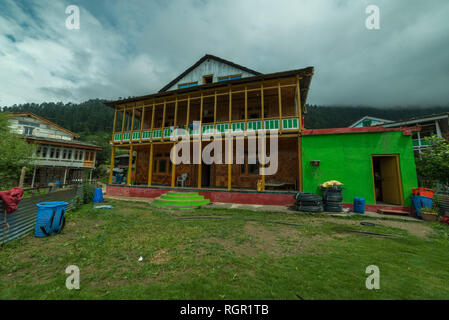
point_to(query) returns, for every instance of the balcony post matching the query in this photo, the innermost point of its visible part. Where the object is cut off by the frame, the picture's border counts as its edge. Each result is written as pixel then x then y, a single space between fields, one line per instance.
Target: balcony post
pixel 111 168
pixel 123 123
pixel 200 136
pixel 246 108
pixel 280 106
pixel 115 122
pixel 130 165
pixel 142 119
pixel 150 165
pixel 230 141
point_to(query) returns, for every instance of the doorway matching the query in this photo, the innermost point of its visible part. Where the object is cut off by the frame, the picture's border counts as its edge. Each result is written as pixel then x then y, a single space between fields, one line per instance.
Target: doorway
pixel 205 175
pixel 387 179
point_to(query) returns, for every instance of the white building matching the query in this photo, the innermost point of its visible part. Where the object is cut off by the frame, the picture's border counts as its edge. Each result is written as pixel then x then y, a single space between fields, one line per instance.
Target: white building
pixel 58 156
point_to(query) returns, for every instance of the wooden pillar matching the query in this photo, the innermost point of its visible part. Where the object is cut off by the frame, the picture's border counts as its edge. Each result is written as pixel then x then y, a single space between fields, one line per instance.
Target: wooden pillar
pixel 130 165
pixel 111 168
pixel 65 176
pixel 34 177
pixel 264 140
pixel 22 177
pixel 123 123
pixel 150 166
pixel 173 168
pixel 188 113
pixel 262 105
pixel 215 107
pixel 246 107
pixel 280 106
pixel 163 118
pixel 142 119
pixel 200 139
pixel 115 123
pixel 132 126
pixel 229 142
pixel 298 105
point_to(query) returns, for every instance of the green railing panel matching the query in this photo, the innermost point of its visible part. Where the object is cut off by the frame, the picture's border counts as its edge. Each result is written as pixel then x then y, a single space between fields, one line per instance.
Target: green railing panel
pixel 272 124
pixel 255 125
pixel 136 135
pixel 168 133
pixel 146 135
pixel 126 136
pixel 222 127
pixel 117 137
pixel 208 129
pixel 290 124
pixel 238 126
pixel 157 134
pixel 180 132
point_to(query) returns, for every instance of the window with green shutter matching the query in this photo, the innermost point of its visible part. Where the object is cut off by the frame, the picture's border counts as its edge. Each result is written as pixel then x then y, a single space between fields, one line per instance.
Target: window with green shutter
pixel 146 135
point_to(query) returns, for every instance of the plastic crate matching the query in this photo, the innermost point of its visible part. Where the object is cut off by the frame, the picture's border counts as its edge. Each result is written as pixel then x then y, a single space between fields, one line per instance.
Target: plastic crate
pixel 424 192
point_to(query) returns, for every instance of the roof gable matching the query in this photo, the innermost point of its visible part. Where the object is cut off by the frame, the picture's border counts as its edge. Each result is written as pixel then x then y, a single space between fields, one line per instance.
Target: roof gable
pixel 372 119
pixel 232 67
pixel 43 120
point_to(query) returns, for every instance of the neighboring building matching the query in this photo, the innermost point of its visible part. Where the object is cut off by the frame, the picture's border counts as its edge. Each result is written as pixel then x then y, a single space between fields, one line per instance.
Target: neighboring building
pixel 434 124
pixel 368 121
pixel 242 105
pixel 59 156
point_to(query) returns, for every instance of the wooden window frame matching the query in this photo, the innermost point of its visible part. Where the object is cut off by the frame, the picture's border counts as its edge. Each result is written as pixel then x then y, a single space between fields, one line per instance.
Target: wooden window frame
pixel 208 76
pixel 227 78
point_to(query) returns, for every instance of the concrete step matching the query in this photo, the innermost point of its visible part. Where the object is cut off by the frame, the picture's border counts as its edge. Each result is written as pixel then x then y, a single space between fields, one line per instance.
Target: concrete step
pixel 393 212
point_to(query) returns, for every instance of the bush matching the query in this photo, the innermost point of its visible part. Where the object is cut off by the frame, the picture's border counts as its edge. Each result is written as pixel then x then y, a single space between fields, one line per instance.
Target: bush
pixel 88 192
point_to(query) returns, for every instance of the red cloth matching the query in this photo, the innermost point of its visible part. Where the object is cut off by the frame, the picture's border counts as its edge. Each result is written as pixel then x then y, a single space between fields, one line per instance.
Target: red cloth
pixel 11 198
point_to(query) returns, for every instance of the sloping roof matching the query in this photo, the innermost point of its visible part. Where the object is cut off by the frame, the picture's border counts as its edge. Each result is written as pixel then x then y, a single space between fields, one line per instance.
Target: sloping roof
pixel 74 143
pixel 430 117
pixel 305 73
pixel 369 118
pixel 206 57
pixel 29 114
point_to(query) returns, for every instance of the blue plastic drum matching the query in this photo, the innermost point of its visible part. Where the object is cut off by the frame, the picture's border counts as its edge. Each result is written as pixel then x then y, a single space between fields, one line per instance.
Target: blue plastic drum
pixel 50 218
pixel 359 205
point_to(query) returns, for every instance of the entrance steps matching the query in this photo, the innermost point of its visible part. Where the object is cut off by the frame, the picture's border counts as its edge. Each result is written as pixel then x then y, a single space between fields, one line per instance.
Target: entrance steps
pixel 180 200
pixel 393 212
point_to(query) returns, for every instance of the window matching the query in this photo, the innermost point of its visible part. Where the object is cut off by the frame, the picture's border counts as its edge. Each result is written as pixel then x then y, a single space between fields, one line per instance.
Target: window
pixel 208 79
pixel 44 152
pixel 57 153
pixel 64 154
pixel 38 152
pixel 69 154
pixel 230 77
pixel 187 85
pixel 28 131
pixel 162 165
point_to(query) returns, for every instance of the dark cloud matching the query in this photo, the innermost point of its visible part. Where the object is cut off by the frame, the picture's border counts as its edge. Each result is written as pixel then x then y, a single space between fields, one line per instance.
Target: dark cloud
pixel 134 48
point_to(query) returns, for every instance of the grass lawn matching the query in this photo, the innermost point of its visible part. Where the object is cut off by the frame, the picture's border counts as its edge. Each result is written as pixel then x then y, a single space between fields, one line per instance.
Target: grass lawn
pixel 244 255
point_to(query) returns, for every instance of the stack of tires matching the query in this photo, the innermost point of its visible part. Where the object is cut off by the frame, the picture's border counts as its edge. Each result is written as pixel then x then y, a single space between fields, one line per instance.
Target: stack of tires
pixel 333 199
pixel 308 202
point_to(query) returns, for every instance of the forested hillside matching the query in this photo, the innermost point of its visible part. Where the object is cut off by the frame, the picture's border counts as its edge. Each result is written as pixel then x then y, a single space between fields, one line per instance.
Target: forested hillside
pixel 92 120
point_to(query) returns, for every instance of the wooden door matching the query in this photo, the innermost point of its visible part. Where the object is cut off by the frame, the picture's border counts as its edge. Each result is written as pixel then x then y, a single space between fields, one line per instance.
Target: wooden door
pixel 391 192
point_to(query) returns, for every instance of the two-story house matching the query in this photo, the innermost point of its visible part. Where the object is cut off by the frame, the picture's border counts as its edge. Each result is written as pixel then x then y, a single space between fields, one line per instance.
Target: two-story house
pixel 58 156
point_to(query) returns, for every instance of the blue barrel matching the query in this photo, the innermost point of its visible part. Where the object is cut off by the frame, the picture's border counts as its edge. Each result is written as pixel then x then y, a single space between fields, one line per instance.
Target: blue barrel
pixel 359 205
pixel 420 202
pixel 50 218
pixel 98 195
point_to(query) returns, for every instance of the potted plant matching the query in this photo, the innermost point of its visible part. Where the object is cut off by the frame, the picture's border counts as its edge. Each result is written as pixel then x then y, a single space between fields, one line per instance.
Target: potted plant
pixel 429 214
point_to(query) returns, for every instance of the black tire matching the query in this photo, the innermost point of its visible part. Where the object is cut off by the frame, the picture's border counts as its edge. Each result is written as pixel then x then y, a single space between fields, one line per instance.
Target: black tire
pixel 310 203
pixel 303 196
pixel 310 208
pixel 333 208
pixel 333 197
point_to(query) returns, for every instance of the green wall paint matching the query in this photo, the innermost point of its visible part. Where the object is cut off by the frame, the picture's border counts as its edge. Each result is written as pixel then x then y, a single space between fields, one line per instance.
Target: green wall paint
pixel 347 158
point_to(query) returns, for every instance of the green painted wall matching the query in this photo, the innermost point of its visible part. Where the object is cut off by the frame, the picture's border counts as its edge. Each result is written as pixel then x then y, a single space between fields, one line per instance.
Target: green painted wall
pixel 347 158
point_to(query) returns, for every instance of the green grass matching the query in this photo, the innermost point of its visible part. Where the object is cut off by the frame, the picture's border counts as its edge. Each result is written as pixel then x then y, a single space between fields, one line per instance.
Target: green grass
pixel 245 255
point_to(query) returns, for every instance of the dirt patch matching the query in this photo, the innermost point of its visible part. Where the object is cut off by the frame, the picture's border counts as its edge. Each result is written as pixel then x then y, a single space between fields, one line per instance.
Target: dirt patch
pixel 160 257
pixel 413 228
pixel 279 241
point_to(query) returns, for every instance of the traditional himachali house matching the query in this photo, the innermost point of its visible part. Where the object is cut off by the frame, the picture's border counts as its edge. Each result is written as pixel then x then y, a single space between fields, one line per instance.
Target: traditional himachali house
pixel 225 97
pixel 58 155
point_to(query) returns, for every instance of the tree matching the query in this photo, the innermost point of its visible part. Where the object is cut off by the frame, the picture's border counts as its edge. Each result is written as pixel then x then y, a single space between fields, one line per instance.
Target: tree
pixel 434 163
pixel 15 153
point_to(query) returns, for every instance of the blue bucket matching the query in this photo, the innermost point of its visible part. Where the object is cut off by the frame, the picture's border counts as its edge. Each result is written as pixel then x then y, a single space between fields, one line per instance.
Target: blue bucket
pixel 98 195
pixel 359 205
pixel 420 202
pixel 50 218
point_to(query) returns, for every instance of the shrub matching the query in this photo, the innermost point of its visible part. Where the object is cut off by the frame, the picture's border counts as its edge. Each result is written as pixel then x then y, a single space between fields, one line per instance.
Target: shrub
pixel 88 192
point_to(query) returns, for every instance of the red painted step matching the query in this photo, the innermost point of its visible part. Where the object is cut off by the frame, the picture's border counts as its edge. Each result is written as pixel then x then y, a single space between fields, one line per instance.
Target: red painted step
pixel 393 212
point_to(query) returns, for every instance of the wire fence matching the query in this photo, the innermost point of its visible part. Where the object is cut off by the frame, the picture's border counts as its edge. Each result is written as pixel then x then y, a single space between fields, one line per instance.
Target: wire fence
pixel 22 221
pixel 442 201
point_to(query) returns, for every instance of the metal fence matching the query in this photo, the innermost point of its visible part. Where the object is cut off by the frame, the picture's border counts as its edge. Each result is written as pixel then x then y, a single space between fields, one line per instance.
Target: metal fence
pixel 442 201
pixel 22 221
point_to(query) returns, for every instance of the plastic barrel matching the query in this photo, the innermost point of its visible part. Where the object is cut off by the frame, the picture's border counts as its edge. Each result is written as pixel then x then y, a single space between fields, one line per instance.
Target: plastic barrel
pixel 98 195
pixel 421 202
pixel 359 205
pixel 49 218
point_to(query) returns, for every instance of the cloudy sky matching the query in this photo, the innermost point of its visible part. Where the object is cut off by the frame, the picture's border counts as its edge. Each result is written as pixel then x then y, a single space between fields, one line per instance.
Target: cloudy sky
pixel 134 47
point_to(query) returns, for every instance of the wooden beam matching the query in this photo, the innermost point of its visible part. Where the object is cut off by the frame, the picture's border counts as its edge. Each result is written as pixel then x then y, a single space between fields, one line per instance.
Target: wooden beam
pixel 229 142
pixel 150 166
pixel 132 126
pixel 111 168
pixel 163 118
pixel 142 119
pixel 200 162
pixel 123 124
pixel 176 114
pixel 130 166
pixel 215 107
pixel 188 113
pixel 298 103
pixel 262 106
pixel 152 119
pixel 246 107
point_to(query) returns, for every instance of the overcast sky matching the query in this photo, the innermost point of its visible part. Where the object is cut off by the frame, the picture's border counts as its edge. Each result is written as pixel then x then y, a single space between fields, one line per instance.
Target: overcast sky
pixel 130 48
